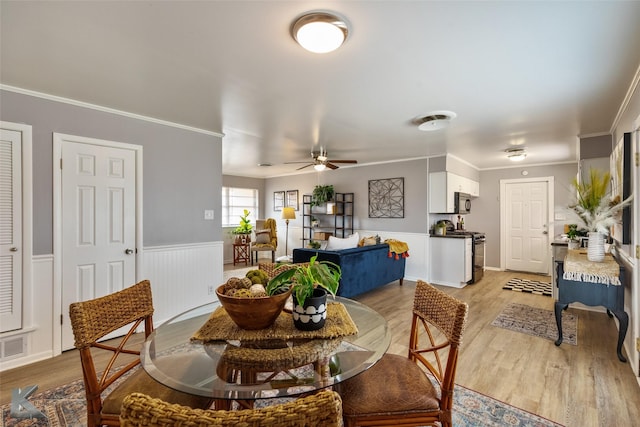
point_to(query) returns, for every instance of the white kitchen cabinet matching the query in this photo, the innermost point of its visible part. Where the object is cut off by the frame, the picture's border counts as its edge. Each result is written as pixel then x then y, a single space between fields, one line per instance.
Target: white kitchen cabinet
pixel 443 185
pixel 450 261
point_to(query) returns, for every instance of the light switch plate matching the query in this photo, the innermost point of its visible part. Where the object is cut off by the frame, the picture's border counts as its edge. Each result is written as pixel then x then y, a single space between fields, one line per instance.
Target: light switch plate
pixel 208 214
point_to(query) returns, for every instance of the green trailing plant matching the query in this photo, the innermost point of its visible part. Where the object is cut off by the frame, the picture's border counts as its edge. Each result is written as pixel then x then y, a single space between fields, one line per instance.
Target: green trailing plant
pixel 314 245
pixel 245 226
pixel 304 278
pixel 321 194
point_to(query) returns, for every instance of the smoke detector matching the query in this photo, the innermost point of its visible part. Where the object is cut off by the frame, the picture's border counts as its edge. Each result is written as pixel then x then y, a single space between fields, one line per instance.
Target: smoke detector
pixel 435 120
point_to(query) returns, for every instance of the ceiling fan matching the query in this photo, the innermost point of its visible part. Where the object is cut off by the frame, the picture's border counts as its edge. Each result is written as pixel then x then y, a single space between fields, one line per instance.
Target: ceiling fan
pixel 320 161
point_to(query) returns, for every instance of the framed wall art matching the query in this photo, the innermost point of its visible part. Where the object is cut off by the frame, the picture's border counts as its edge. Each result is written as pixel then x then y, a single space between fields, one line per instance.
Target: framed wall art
pixel 278 200
pixel 292 199
pixel 386 198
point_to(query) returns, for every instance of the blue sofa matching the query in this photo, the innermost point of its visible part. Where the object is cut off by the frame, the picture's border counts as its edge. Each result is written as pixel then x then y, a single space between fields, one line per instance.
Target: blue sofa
pixel 363 268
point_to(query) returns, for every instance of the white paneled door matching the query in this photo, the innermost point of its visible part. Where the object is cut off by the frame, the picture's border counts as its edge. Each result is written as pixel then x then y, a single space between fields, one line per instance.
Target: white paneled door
pixel 526 226
pixel 10 230
pixel 98 223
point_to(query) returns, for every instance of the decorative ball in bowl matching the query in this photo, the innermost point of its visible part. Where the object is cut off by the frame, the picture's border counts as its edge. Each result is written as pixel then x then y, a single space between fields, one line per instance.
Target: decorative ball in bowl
pixel 253 312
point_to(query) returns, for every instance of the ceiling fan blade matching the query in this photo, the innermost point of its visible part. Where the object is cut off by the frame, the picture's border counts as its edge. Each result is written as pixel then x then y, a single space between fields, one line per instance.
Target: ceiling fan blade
pixel 305 166
pixel 343 161
pixel 330 166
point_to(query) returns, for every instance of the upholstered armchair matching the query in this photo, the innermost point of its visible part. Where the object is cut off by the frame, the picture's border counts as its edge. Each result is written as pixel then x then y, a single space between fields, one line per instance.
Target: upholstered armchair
pixel 266 239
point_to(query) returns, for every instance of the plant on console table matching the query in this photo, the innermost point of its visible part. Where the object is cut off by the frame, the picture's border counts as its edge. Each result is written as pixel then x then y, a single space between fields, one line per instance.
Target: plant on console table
pixel 243 231
pixel 310 283
pixel 596 209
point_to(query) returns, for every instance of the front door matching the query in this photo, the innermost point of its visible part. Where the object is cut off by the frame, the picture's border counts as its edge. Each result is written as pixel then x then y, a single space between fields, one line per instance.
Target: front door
pixel 98 221
pixel 526 226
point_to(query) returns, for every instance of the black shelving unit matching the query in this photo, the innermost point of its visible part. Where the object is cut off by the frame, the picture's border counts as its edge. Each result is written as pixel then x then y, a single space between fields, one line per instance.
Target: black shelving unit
pixel 339 222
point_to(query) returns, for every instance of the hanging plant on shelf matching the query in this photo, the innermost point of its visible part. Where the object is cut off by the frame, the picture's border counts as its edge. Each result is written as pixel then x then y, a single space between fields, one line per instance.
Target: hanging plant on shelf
pixel 321 194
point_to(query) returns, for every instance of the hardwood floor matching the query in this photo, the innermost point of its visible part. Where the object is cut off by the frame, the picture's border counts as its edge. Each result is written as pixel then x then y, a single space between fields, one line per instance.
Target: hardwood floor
pixel 583 385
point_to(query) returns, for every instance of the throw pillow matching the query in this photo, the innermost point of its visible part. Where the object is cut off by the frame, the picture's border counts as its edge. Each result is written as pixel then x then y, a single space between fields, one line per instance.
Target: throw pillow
pixel 336 243
pixel 263 237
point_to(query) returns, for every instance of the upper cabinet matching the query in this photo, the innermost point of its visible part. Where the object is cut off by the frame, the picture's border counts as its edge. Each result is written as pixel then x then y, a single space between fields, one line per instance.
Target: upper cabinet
pixel 443 185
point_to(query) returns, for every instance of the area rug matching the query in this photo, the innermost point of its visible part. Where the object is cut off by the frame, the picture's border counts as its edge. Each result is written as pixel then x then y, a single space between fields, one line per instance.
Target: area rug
pixel 65 407
pixel 537 322
pixel 529 286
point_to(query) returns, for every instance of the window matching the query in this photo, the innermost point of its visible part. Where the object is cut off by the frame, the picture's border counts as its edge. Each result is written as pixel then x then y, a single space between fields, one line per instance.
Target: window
pixel 235 201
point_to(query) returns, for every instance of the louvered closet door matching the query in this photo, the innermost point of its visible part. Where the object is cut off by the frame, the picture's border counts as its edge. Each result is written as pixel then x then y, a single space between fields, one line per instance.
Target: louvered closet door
pixel 10 230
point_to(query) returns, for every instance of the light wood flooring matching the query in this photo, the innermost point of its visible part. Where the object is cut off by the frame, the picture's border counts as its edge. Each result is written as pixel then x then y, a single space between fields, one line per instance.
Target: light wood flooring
pixel 583 385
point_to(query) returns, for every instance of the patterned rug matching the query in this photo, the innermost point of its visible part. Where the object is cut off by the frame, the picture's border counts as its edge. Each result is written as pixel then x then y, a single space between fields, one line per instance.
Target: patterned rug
pixel 65 406
pixel 537 322
pixel 529 286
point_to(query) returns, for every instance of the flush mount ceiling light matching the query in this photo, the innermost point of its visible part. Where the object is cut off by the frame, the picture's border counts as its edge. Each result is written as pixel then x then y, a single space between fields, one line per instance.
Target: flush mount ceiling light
pixel 320 32
pixel 435 120
pixel 516 154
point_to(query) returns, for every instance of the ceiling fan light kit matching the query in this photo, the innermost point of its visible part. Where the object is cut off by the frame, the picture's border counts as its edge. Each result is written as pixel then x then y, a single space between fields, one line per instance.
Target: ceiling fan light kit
pixel 320 32
pixel 516 154
pixel 435 120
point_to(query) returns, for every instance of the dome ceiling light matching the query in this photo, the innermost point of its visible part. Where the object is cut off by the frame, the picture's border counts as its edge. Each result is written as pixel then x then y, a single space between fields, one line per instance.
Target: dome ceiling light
pixel 435 120
pixel 516 154
pixel 320 32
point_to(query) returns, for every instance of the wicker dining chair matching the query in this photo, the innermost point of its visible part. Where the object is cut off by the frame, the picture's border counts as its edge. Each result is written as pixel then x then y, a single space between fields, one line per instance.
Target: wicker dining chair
pixel 320 409
pixel 397 391
pixel 93 319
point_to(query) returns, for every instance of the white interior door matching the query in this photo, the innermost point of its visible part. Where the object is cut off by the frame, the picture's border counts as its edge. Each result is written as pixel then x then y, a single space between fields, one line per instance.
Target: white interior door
pixel 11 248
pixel 526 226
pixel 98 223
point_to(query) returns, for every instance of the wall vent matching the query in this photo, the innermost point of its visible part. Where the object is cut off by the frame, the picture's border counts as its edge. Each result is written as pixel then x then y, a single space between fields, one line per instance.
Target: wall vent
pixel 13 347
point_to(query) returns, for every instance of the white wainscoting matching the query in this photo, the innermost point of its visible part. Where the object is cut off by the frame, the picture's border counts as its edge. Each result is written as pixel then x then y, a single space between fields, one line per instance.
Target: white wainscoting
pixel 180 276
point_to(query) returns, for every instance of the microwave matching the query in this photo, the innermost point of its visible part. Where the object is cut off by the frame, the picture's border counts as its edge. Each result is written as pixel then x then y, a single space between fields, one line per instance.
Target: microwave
pixel 462 203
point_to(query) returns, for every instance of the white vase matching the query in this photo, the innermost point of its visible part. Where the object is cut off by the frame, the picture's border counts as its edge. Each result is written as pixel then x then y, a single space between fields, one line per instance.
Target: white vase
pixel 595 250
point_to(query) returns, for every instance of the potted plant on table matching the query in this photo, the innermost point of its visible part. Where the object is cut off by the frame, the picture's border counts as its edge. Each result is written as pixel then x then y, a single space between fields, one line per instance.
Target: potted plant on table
pixel 243 231
pixel 310 283
pixel 596 210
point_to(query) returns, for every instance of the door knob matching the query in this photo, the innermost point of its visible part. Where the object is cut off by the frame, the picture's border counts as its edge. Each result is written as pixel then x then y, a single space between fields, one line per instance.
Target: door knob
pixel 545 232
pixel 128 251
pixel 14 249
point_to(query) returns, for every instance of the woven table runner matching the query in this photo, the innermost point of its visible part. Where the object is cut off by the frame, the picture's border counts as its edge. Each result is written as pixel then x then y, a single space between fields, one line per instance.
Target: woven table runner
pixel 220 327
pixel 578 268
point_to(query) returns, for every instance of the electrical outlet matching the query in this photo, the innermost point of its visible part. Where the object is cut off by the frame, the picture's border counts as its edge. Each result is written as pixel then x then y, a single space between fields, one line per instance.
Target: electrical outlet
pixel 211 290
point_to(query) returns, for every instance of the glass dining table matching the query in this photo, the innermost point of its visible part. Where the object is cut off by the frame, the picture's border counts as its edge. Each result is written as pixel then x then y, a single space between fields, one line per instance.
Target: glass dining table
pixel 236 370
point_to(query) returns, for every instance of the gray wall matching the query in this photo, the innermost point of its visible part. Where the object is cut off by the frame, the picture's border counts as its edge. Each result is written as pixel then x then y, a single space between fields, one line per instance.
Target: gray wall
pixel 486 208
pixel 181 168
pixel 595 146
pixel 356 180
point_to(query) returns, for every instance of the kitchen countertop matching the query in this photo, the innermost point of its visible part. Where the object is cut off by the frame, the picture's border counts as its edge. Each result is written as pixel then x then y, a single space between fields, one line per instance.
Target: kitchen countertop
pixel 452 236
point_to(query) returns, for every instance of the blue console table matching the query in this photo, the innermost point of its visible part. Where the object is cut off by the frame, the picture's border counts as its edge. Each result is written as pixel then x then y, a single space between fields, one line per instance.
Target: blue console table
pixel 610 296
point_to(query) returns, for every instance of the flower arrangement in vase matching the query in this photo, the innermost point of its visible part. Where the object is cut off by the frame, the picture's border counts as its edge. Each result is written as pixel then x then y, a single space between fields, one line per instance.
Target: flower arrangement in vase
pixel 596 209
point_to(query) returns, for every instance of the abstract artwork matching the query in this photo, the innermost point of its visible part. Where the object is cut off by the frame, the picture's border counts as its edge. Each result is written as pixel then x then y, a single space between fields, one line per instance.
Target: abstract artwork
pixel 386 198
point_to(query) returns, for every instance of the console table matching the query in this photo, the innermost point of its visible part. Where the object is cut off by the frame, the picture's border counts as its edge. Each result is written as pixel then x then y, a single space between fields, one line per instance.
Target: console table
pixel 590 290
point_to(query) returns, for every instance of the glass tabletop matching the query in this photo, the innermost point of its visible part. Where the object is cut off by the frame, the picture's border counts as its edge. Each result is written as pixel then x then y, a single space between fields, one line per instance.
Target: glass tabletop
pixel 265 369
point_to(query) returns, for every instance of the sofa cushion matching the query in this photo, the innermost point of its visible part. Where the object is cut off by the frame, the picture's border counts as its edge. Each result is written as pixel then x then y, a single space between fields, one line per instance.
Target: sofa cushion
pixel 336 243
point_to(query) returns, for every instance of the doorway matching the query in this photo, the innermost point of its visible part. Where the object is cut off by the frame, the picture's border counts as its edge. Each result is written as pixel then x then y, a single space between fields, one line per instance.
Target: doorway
pixel 97 206
pixel 526 209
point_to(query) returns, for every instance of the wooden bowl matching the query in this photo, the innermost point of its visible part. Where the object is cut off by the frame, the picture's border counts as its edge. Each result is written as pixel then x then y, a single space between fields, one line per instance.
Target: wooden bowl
pixel 253 313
